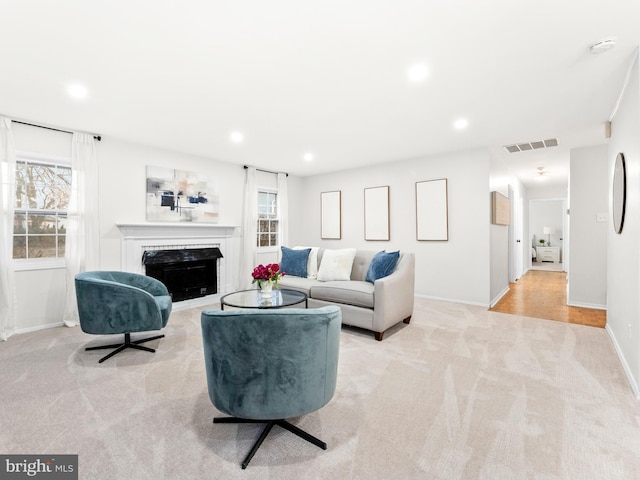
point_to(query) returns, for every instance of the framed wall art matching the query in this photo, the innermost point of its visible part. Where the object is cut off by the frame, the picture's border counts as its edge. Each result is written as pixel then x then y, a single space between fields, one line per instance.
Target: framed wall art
pixel 180 196
pixel 500 209
pixel 376 213
pixel 432 216
pixel 331 215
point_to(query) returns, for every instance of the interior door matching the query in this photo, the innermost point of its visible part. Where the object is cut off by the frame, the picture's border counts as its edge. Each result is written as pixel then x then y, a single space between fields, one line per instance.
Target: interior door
pixel 516 242
pixel 519 233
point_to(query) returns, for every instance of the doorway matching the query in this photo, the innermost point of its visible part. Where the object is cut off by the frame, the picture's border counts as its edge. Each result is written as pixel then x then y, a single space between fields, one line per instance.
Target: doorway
pixel 547 227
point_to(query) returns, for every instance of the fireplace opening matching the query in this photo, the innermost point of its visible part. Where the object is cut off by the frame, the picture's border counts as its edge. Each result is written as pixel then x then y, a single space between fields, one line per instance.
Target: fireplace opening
pixel 187 273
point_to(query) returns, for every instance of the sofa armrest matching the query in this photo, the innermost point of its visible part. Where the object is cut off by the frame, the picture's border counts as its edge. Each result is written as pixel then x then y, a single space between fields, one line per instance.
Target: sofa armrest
pixel 394 294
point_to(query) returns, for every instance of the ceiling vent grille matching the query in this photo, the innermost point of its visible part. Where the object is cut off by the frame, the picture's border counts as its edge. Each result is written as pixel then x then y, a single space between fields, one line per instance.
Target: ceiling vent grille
pixel 522 147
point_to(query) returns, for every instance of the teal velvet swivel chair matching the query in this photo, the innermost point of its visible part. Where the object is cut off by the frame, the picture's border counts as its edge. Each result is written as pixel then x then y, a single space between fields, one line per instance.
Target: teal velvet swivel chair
pixel 121 303
pixel 264 366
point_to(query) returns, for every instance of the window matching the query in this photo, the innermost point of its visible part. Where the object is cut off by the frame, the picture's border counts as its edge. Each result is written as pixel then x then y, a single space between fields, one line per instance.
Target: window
pixel 267 219
pixel 43 188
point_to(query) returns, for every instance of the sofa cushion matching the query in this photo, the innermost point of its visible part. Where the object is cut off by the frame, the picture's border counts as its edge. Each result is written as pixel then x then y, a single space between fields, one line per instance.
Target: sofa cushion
pixel 361 264
pixel 336 265
pixel 298 283
pixel 294 262
pixel 382 265
pixel 351 293
pixel 312 263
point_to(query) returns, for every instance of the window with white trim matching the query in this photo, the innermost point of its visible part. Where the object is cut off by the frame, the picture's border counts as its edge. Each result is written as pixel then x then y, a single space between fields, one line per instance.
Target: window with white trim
pixel 43 189
pixel 268 221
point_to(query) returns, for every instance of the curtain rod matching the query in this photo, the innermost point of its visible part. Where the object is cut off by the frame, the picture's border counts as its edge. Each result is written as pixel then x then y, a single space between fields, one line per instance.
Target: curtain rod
pixel 97 137
pixel 266 171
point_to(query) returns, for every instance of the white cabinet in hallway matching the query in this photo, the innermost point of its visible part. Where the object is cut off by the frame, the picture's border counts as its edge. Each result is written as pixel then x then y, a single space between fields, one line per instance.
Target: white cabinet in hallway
pixel 548 254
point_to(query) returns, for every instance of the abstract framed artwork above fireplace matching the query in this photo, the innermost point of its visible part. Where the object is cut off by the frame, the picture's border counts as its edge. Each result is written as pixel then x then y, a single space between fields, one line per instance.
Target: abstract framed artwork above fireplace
pixel 143 239
pixel 180 196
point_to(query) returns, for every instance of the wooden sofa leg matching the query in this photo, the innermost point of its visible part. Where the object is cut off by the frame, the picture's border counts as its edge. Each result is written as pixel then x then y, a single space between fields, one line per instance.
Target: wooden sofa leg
pixel 407 320
pixel 378 335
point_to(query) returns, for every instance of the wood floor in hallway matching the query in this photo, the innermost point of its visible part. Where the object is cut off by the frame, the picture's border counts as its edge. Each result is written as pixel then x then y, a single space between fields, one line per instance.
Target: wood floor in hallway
pixel 543 294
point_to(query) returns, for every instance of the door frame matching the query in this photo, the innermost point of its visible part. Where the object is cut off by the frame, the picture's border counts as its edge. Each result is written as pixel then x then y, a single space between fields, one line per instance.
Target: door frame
pixel 564 262
pixel 516 236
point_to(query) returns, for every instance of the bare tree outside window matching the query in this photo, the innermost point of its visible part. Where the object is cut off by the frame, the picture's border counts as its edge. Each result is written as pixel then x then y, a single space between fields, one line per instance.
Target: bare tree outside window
pixel 267 219
pixel 42 198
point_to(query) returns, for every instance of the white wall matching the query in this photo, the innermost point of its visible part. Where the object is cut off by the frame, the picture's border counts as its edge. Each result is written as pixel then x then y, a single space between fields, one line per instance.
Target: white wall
pixel 589 196
pixel 122 168
pixel 457 269
pixel 551 191
pixel 503 238
pixel 623 250
pixel 498 236
pixel 122 173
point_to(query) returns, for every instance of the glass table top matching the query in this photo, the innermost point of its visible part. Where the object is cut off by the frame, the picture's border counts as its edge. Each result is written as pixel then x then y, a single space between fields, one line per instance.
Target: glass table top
pixel 277 298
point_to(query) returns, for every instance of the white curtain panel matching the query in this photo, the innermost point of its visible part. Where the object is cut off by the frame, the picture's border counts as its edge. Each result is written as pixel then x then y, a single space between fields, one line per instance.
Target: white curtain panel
pixel 249 230
pixel 283 200
pixel 82 252
pixel 7 197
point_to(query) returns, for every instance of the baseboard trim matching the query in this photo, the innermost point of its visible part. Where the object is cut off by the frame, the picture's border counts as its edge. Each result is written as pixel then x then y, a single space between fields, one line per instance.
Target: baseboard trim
pixel 623 361
pixel 20 331
pixel 454 300
pixel 196 302
pixel 499 297
pixel 595 306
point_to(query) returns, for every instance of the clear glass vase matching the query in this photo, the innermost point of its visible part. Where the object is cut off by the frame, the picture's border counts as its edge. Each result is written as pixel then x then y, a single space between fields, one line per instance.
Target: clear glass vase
pixel 266 286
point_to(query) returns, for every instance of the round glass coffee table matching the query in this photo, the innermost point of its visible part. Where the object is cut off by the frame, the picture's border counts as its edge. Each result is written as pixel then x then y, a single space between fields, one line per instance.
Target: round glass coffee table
pixel 278 298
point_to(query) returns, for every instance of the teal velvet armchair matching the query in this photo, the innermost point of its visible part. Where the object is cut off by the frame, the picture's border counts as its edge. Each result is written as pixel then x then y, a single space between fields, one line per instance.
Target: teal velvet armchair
pixel 121 303
pixel 264 366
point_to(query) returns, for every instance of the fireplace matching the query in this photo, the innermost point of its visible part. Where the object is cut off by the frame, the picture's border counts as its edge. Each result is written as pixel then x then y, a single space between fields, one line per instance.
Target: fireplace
pixel 187 272
pixel 138 238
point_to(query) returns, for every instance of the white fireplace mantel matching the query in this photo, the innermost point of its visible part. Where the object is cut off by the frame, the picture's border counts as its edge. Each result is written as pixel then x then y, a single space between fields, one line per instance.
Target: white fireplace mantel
pixel 175 230
pixel 139 237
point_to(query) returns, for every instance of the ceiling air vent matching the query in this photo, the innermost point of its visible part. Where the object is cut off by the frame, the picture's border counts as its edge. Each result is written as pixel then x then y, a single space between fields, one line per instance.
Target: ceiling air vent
pixel 521 147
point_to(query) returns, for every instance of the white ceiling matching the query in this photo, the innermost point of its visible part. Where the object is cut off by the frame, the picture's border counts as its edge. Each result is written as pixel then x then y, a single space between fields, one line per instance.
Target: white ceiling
pixel 327 77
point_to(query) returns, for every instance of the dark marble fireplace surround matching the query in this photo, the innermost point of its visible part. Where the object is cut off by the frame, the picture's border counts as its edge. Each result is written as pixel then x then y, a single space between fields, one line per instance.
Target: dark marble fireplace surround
pixel 188 272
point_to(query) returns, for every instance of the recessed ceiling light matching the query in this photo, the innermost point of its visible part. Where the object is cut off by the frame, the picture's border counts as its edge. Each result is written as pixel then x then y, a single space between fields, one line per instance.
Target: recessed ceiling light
pixel 237 137
pixel 418 72
pixel 461 123
pixel 77 91
pixel 308 157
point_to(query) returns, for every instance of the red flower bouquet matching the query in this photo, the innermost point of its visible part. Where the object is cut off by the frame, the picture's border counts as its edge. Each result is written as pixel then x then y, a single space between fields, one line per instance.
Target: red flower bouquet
pixel 267 274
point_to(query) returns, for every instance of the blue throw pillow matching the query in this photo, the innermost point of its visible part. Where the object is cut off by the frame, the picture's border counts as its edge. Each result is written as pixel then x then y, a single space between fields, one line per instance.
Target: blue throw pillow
pixel 382 265
pixel 294 262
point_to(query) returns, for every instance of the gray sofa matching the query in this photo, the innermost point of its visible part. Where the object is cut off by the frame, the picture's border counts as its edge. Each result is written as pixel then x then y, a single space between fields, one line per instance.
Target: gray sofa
pixel 376 306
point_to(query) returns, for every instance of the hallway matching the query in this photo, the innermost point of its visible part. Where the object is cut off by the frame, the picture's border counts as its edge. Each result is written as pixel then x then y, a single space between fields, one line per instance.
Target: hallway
pixel 543 294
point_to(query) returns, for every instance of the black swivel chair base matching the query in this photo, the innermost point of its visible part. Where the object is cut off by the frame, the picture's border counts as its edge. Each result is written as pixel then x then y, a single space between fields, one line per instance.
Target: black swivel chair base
pixel 270 423
pixel 119 347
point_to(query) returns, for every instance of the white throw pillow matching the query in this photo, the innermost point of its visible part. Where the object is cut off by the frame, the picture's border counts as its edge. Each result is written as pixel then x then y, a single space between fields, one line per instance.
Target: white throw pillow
pixel 336 264
pixel 312 263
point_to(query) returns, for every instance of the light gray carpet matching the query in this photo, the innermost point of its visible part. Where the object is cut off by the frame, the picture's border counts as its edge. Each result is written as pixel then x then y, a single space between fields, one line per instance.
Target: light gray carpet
pixel 460 393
